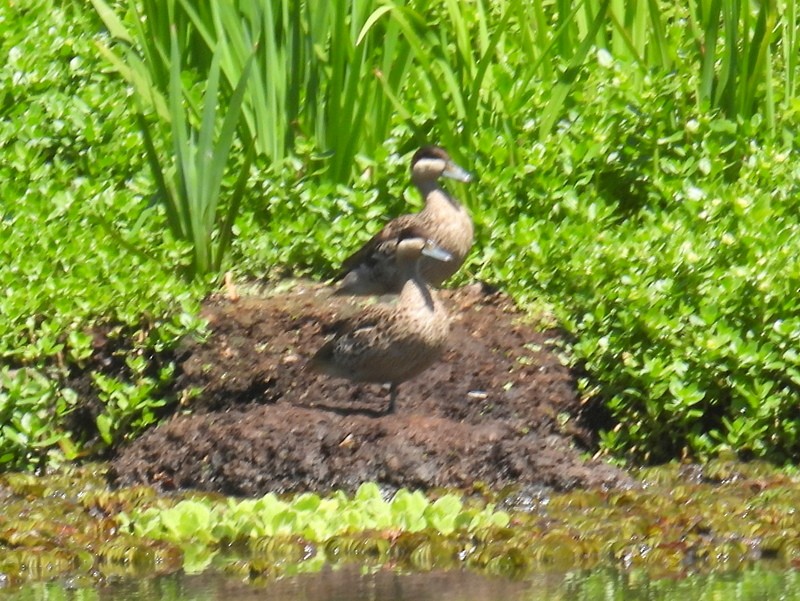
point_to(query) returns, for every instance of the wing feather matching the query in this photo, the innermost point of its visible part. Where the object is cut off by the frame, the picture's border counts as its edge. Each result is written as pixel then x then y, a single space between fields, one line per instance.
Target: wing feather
pixel 405 226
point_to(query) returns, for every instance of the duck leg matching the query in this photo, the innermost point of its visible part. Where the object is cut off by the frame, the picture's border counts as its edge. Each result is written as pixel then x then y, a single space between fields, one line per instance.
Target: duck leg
pixel 392 397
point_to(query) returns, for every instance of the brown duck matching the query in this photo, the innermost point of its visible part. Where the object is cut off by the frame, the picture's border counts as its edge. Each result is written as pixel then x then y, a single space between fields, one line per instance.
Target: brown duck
pixel 373 269
pixel 391 343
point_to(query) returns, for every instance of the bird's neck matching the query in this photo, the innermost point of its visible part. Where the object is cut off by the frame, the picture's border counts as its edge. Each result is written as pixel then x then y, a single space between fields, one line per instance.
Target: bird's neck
pixel 415 292
pixel 426 185
pixel 436 199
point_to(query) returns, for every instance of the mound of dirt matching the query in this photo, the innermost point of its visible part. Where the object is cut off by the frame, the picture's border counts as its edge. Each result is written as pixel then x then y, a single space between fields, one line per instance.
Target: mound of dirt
pixel 498 409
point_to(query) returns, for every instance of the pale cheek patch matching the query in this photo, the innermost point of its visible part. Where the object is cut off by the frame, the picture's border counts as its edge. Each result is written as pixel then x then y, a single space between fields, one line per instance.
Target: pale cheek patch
pixel 429 167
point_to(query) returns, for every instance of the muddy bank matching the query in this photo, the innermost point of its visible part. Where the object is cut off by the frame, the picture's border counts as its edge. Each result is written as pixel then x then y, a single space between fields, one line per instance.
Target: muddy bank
pixel 498 409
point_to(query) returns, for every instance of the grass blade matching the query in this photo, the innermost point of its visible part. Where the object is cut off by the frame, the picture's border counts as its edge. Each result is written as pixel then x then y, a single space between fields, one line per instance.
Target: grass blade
pixel 561 90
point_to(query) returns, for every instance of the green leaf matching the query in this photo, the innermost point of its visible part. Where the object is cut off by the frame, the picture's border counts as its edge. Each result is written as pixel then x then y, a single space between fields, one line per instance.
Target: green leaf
pixel 105 428
pixel 443 513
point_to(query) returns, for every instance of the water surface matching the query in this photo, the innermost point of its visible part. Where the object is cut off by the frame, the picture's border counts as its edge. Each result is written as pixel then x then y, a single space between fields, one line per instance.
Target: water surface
pixel 351 584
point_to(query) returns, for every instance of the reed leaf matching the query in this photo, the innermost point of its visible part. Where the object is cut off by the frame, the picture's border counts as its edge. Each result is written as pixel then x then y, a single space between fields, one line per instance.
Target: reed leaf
pixel 736 71
pixel 341 74
pixel 561 90
pixel 189 179
pixel 200 163
pixel 313 75
pixel 790 38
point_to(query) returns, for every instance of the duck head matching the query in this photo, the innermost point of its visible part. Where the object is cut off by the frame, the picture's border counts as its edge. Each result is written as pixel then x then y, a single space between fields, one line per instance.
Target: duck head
pixel 431 162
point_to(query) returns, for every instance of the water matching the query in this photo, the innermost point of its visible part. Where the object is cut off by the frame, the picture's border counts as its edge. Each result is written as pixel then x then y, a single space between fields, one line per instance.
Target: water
pixel 350 584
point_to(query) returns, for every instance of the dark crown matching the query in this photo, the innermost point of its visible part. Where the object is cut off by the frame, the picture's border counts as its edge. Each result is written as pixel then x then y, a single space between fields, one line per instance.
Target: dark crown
pixel 430 152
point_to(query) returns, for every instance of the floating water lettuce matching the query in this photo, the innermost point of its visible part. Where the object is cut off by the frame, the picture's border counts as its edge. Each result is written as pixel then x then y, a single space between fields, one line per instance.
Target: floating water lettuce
pixel 309 516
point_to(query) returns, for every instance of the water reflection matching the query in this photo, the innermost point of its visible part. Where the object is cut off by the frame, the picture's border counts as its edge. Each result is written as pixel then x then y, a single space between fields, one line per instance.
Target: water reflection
pixel 350 584
pixel 347 584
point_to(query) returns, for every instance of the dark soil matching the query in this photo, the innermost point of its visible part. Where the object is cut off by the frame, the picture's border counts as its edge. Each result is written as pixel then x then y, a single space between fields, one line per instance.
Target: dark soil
pixel 499 409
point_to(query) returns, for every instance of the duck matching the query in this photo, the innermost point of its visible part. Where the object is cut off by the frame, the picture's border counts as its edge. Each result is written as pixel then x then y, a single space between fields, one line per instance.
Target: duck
pixel 372 270
pixel 392 342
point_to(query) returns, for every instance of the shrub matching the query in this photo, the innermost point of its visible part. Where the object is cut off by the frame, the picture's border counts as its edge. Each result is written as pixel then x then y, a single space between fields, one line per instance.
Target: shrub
pixel 678 283
pixel 76 234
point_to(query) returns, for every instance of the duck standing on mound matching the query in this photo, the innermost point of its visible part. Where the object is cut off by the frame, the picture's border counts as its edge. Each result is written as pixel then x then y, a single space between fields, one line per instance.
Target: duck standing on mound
pixel 373 269
pixel 392 343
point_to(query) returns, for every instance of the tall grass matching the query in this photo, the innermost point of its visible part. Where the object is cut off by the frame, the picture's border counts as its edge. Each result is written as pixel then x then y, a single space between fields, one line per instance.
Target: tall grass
pixel 602 199
pixel 735 55
pixel 478 63
pixel 730 42
pixel 192 195
pixel 316 70
pixel 336 73
pixel 340 76
pixel 189 179
pixel 790 44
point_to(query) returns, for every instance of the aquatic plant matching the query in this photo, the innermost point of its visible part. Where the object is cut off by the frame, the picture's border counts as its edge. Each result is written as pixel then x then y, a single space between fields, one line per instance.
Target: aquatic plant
pixel 683 520
pixel 308 517
pixel 62 525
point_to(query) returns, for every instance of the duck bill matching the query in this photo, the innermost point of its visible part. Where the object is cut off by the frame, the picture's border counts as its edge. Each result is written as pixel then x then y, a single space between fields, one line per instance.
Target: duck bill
pixel 436 253
pixel 455 172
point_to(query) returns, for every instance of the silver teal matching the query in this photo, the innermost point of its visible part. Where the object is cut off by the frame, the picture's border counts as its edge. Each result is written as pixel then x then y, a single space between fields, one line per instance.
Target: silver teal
pixel 444 221
pixel 392 343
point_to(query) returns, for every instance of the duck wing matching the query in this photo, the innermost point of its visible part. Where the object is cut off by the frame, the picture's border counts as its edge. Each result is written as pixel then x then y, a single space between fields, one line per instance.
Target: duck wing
pixel 350 335
pixel 376 249
pixel 361 324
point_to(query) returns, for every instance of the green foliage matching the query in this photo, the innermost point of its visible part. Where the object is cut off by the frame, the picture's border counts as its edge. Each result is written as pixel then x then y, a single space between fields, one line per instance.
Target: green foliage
pixel 30 407
pixel 661 236
pixel 310 516
pixel 687 523
pixel 129 407
pixel 203 527
pixel 299 224
pixel 333 74
pixel 74 218
pixel 316 73
pixel 55 527
pixel 193 196
pixel 736 56
pixel 190 181
pixel 636 177
pixel 676 281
